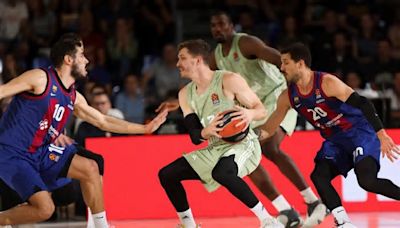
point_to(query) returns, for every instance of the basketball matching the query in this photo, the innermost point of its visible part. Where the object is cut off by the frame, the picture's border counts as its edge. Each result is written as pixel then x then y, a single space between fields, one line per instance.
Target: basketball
pixel 231 133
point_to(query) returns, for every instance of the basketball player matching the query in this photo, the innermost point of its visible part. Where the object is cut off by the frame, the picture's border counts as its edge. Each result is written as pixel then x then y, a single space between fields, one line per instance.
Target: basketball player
pixel 202 100
pixel 29 163
pixel 354 135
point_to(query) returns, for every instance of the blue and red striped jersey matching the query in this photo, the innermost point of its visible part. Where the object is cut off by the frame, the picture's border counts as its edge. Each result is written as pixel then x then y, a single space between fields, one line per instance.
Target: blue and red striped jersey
pixel 327 114
pixel 35 120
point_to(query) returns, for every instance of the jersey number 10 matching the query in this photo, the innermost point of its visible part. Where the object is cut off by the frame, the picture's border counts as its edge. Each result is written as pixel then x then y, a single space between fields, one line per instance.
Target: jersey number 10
pixel 58 112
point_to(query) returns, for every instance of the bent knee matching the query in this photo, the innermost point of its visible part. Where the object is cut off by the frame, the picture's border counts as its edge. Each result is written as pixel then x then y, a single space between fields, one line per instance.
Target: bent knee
pixel 45 210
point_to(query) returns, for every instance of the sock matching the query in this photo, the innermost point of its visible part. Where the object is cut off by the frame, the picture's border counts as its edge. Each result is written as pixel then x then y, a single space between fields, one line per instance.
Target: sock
pixel 100 220
pixel 308 195
pixel 281 204
pixel 340 215
pixel 90 222
pixel 186 218
pixel 260 211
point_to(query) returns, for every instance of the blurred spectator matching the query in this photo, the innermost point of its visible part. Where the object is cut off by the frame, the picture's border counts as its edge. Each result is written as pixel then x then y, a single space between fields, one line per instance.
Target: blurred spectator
pixel 354 80
pixel 340 61
pixel 394 95
pixel 156 25
pixel 12 13
pixel 10 68
pixel 69 15
pixel 291 33
pixel 394 37
pixel 42 22
pixel 163 76
pixel 101 102
pixel 123 48
pixel 90 37
pixel 383 65
pixel 131 100
pixel 366 41
pixel 97 70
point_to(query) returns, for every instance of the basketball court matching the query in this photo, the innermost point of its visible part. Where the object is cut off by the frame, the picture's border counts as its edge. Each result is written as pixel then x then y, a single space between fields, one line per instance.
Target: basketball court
pixel 361 220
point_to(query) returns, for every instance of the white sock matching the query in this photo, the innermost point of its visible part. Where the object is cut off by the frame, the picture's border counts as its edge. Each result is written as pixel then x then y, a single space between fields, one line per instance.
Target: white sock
pixel 186 218
pixel 308 195
pixel 260 211
pixel 90 222
pixel 340 215
pixel 280 203
pixel 100 220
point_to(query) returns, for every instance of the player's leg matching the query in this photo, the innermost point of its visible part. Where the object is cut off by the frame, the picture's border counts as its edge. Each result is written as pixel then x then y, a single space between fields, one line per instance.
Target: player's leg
pixel 322 175
pixel 226 173
pixel 287 215
pixel 87 172
pixel 367 176
pixel 171 177
pixel 39 208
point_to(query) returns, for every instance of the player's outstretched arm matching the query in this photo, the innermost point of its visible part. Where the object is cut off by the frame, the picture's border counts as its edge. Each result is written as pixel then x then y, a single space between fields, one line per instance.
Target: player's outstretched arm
pixel 169 105
pixel 269 128
pixel 111 124
pixel 33 81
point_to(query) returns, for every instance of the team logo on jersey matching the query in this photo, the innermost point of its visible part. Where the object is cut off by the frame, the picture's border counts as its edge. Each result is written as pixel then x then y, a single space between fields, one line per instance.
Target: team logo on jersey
pixel 54 157
pixel 235 56
pixel 44 124
pixel 215 99
pixel 54 88
pixel 318 93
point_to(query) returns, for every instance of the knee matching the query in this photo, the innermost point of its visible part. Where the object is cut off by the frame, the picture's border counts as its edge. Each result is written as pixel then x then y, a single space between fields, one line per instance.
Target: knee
pixel 272 152
pixel 92 169
pixel 45 210
pixel 218 175
pixel 366 183
pixel 317 178
pixel 164 176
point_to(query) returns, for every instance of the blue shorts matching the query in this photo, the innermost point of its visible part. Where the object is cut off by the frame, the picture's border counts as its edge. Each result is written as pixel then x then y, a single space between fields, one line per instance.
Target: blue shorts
pixel 345 149
pixel 28 173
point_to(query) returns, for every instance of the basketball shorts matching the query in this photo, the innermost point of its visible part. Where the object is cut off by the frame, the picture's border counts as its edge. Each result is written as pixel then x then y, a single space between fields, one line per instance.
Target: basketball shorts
pixel 28 173
pixel 247 157
pixel 344 150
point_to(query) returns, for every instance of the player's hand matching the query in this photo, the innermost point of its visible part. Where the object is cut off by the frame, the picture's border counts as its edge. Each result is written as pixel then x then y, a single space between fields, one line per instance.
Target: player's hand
pixel 63 141
pixel 212 129
pixel 170 106
pixel 156 122
pixel 388 147
pixel 243 114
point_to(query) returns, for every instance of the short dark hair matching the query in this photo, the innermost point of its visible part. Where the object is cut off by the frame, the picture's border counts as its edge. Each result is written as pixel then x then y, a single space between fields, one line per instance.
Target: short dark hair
pixel 222 13
pixel 197 47
pixel 298 51
pixel 66 45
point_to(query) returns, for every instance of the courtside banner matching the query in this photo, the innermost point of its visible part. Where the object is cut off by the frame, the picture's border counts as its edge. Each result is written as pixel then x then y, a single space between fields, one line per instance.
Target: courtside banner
pixel 132 189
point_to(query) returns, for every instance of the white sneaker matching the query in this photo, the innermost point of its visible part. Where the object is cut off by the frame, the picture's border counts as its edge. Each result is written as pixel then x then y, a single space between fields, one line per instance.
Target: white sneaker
pixel 316 213
pixel 271 222
pixel 344 225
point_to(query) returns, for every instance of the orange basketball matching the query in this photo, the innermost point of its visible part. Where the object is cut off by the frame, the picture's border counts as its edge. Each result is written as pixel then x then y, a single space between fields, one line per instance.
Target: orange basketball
pixel 230 132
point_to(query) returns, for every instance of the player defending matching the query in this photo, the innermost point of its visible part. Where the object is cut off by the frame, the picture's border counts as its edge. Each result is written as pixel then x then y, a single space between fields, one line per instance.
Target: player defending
pixel 354 135
pixel 220 163
pixel 29 163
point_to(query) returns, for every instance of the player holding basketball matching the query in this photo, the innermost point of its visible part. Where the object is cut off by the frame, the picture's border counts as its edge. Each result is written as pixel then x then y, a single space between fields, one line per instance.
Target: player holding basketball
pixel 29 163
pixel 257 63
pixel 354 135
pixel 220 163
